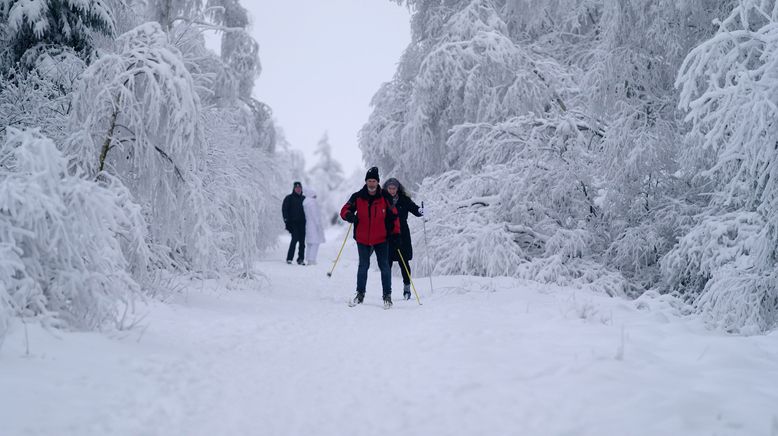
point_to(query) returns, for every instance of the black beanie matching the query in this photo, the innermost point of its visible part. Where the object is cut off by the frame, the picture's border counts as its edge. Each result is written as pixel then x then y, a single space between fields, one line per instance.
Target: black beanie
pixel 372 173
pixel 296 184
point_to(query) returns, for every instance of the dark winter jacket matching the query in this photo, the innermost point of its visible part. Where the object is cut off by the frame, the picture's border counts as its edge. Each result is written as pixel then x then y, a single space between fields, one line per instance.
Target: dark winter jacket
pixel 404 206
pixel 292 209
pixel 375 217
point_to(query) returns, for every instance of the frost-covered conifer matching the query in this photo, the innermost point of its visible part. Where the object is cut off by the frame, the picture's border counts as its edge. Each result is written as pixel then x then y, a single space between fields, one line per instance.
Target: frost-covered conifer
pixel 326 176
pixel 71 23
pixel 168 12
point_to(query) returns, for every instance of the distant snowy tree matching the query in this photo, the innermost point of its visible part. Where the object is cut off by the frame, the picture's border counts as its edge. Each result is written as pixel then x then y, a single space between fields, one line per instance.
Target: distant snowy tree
pixel 326 168
pixel 726 264
pixel 128 14
pixel 291 160
pixel 326 175
pixel 238 49
pixel 264 124
pixel 39 23
pixel 71 249
pixel 168 12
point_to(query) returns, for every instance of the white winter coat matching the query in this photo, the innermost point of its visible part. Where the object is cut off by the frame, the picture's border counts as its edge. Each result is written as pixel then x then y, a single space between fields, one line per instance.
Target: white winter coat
pixel 314 228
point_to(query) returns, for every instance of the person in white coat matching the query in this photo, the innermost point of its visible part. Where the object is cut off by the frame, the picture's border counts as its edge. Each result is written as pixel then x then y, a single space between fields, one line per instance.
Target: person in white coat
pixel 314 227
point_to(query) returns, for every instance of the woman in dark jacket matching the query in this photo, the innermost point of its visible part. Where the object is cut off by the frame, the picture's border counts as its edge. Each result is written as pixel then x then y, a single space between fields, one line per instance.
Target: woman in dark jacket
pixel 404 205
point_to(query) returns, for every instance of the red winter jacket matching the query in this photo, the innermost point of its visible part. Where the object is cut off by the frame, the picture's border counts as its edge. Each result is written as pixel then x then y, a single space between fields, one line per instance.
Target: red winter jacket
pixel 376 217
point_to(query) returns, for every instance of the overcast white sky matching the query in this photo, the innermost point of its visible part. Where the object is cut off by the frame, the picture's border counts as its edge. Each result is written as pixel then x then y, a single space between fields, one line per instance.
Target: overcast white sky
pixel 322 61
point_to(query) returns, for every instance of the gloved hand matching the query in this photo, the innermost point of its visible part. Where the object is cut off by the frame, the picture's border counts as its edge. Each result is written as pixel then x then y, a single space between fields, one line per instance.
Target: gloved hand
pixel 394 239
pixel 352 217
pixel 288 226
pixel 421 211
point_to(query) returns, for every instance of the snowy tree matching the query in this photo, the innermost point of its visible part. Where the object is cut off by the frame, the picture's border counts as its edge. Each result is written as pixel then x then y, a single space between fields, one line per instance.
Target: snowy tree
pixel 501 125
pixel 291 159
pixel 243 175
pixel 473 73
pixel 30 100
pixel 327 169
pixel 168 12
pixel 139 117
pixel 35 24
pixel 523 205
pixel 383 131
pixel 244 184
pixel 628 66
pixel 726 263
pixel 173 158
pixel 238 50
pixel 71 250
pixel 326 177
pixel 242 171
pixel 561 117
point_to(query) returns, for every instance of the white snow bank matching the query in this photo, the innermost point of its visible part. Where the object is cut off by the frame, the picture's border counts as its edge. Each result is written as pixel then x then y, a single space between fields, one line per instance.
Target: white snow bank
pixel 480 356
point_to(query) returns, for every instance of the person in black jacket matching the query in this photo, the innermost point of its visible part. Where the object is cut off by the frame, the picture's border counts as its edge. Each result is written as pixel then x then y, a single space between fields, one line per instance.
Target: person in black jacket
pixel 294 220
pixel 404 205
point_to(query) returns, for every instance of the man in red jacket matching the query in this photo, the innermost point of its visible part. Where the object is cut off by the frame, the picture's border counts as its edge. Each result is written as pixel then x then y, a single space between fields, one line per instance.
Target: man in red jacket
pixel 375 223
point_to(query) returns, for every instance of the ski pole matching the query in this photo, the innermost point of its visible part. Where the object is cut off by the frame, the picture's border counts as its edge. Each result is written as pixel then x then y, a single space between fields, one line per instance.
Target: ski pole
pixel 426 246
pixel 329 274
pixel 409 276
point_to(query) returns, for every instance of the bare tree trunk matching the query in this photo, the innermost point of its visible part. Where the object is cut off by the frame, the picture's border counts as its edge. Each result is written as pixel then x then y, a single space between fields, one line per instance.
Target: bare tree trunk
pixel 108 138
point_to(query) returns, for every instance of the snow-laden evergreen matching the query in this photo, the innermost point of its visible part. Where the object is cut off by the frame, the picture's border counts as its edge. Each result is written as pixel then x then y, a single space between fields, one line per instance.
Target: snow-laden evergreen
pixel 42 25
pixel 326 177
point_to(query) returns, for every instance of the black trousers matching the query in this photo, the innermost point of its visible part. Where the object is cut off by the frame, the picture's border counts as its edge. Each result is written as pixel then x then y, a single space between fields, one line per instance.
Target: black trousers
pixel 406 275
pixel 298 237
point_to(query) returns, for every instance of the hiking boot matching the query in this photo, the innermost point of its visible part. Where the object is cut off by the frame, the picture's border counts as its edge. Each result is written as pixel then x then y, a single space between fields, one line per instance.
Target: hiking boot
pixel 289 262
pixel 301 262
pixel 407 292
pixel 387 301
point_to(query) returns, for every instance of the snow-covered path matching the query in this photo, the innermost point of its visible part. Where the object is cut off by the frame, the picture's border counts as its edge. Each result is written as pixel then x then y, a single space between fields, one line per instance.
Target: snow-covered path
pixel 481 356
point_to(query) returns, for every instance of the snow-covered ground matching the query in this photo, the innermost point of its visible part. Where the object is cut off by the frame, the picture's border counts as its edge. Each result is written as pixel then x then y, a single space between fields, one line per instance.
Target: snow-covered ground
pixel 481 356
